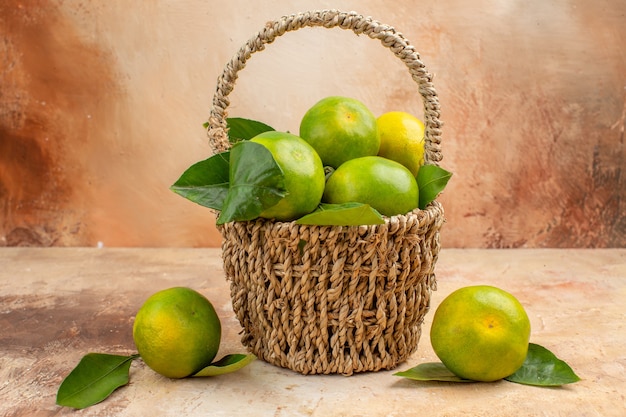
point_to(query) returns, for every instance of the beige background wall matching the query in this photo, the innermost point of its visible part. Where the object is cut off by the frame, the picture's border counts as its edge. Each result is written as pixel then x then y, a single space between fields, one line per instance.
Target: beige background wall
pixel 102 105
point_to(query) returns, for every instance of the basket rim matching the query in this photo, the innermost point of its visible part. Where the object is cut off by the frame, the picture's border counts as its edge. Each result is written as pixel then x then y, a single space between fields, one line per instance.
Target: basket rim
pixel 433 211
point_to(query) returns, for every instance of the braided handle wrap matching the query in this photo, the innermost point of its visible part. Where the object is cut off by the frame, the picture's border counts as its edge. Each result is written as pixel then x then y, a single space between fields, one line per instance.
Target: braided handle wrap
pixel 387 35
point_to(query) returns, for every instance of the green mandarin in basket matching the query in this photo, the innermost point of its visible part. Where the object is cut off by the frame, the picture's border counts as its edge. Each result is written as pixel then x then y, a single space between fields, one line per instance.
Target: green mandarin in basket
pixel 303 171
pixel 340 129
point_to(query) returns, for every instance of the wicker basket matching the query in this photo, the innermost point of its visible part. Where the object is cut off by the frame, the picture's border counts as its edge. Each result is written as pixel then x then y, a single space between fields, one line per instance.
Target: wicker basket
pixel 329 299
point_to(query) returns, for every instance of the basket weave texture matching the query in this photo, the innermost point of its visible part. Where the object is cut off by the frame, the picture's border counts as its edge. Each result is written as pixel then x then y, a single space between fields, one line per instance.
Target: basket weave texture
pixel 332 299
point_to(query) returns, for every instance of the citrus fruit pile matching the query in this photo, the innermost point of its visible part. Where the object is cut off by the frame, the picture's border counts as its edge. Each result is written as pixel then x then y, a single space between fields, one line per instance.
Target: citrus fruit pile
pixel 373 161
pixel 345 167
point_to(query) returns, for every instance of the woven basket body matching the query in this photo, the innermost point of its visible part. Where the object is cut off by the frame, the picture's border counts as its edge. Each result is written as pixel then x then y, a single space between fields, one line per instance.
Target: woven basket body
pixel 331 299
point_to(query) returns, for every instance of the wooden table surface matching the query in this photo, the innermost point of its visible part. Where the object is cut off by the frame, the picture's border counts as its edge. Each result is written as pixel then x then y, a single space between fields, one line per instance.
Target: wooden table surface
pixel 57 304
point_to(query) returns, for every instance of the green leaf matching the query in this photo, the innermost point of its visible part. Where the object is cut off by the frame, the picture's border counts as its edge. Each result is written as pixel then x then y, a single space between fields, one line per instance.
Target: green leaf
pixel 205 182
pixel 543 368
pixel 431 180
pixel 95 377
pixel 347 214
pixel 244 129
pixel 301 244
pixel 256 183
pixel 431 371
pixel 226 365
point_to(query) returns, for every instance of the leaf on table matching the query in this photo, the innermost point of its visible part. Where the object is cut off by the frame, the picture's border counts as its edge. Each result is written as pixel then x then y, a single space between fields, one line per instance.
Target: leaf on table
pixel 95 377
pixel 431 181
pixel 543 368
pixel 256 183
pixel 226 365
pixel 431 371
pixel 244 129
pixel 347 214
pixel 206 182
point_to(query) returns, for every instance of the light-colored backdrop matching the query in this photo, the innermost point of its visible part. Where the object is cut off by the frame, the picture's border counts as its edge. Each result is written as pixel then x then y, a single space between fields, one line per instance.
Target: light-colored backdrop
pixel 102 105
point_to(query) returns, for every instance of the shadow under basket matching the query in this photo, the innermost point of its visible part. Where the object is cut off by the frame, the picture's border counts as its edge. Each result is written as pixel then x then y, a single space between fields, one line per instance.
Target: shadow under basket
pixel 332 299
pixel 322 299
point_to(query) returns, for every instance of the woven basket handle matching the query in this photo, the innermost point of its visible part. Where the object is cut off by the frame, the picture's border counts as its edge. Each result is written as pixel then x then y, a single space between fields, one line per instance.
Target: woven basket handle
pixel 387 35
